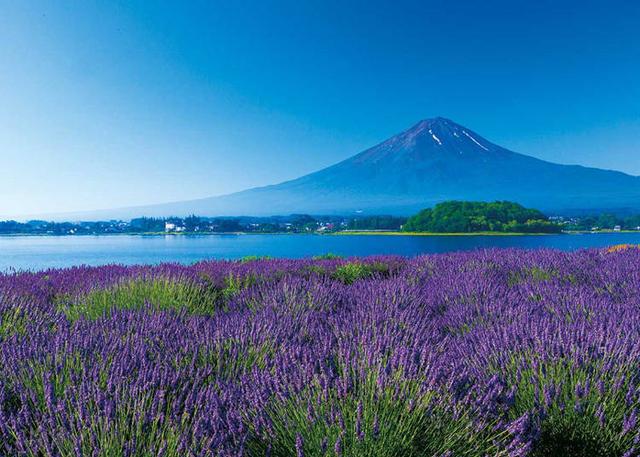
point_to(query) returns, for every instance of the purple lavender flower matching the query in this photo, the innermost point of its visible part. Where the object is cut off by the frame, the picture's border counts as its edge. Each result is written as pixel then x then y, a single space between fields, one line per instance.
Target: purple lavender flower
pixel 375 427
pixel 600 415
pixel 629 422
pixel 299 446
pixel 324 444
pixel 337 448
pixel 359 432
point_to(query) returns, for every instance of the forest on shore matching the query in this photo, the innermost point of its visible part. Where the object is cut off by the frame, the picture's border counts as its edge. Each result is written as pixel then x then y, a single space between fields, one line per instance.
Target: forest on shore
pixel 469 217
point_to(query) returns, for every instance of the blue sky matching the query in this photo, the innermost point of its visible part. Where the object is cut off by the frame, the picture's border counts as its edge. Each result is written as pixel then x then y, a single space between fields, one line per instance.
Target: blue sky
pixel 111 104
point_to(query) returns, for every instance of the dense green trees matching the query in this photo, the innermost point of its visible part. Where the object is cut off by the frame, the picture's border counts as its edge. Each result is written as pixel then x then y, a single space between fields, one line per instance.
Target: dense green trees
pixel 467 217
pixel 147 225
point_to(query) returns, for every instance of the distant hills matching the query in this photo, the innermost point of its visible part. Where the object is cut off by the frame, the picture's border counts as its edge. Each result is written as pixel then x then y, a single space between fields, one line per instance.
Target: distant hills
pixel 433 161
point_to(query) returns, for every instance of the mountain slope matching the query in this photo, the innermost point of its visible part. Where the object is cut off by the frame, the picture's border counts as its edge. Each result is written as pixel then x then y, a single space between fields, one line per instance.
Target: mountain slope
pixel 433 161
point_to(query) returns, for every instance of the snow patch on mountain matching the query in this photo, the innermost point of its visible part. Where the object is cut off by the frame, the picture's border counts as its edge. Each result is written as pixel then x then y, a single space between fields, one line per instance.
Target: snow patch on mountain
pixel 474 140
pixel 435 138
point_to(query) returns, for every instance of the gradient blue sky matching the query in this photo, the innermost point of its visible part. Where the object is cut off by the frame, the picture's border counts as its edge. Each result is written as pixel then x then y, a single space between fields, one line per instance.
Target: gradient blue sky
pixel 111 104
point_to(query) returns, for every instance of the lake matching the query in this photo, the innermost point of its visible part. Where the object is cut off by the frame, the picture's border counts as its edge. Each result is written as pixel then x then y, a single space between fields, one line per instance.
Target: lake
pixel 42 252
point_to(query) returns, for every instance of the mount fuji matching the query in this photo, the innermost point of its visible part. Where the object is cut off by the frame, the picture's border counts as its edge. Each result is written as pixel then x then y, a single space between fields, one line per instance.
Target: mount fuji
pixel 433 161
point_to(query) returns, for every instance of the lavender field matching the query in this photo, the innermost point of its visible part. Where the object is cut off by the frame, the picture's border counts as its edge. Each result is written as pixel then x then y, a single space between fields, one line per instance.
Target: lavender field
pixel 485 353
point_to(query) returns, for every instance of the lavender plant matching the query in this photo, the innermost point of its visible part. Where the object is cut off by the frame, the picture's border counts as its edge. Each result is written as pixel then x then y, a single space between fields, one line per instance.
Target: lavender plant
pixel 496 352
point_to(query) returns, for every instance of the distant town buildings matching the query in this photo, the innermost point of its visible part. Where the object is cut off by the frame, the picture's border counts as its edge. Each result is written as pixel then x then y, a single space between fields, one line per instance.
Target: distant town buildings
pixel 176 227
pixel 295 223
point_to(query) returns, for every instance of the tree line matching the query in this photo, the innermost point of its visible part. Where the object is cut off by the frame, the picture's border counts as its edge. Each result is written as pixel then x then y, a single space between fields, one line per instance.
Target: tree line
pixel 605 221
pixel 451 216
pixel 469 217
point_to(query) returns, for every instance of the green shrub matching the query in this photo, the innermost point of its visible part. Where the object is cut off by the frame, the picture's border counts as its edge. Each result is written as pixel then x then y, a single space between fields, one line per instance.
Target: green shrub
pixel 327 256
pixel 315 270
pixel 531 274
pixel 253 258
pixel 399 421
pixel 13 321
pixel 235 283
pixel 159 293
pixel 353 271
pixel 579 419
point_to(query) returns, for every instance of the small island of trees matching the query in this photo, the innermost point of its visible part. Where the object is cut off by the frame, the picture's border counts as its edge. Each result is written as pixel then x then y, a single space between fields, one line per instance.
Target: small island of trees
pixel 470 217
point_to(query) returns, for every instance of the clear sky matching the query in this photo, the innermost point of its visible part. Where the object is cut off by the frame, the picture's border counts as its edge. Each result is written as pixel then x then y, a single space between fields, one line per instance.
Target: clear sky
pixel 119 103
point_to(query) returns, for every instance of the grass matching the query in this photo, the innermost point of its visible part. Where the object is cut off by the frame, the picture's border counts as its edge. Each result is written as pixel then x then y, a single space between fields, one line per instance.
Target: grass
pixel 159 294
pixel 354 271
pixel 254 258
pixel 327 256
pixel 13 321
pixel 399 233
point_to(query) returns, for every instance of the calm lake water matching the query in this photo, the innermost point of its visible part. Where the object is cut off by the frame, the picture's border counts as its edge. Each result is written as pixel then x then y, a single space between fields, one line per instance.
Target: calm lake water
pixel 42 252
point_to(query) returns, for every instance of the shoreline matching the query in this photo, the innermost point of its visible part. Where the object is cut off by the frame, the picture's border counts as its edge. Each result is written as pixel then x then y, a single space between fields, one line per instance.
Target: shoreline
pixel 80 235
pixel 399 233
pixel 339 233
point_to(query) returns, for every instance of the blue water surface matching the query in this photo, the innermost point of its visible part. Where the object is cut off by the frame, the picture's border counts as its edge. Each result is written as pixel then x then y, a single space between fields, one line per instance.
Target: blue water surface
pixel 42 252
